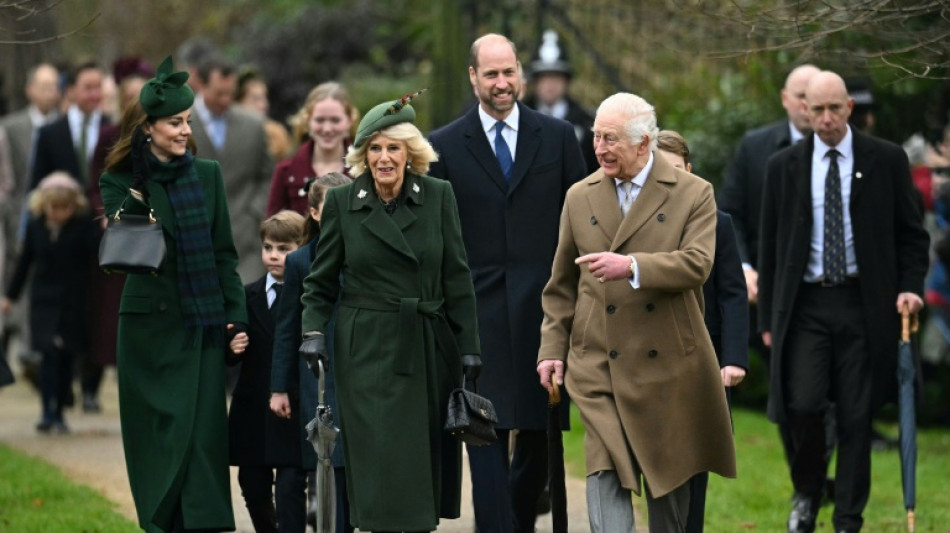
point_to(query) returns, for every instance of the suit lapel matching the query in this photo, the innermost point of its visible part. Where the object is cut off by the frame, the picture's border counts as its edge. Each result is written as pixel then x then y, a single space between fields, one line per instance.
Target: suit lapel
pixel 529 141
pixel 377 221
pixel 481 151
pixel 200 133
pixel 653 195
pixel 802 171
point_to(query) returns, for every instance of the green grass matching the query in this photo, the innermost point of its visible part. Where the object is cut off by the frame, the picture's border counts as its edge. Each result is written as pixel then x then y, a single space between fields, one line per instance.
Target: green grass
pixel 758 500
pixel 36 497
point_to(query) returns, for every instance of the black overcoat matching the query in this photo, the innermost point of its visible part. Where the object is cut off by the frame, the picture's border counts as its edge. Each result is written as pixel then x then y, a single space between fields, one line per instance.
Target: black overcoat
pixel 258 437
pixel 510 229
pixel 890 246
pixel 726 297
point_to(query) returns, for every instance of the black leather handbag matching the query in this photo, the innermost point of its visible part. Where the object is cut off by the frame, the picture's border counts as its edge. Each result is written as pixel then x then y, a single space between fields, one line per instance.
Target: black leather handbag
pixel 471 418
pixel 132 244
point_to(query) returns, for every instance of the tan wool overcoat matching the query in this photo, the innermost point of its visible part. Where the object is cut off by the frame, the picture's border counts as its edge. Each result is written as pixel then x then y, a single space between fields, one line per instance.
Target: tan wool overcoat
pixel 639 362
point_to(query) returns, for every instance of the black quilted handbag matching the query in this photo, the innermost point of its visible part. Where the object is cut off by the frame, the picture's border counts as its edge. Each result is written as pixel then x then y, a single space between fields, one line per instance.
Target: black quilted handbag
pixel 471 418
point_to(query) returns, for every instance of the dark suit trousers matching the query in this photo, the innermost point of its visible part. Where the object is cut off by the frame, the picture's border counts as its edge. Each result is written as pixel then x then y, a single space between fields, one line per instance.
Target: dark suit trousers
pixel 289 493
pixel 826 361
pixel 505 495
pixel 56 376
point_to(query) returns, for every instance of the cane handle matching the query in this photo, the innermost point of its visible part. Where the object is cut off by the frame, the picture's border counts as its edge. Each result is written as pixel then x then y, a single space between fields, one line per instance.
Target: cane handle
pixel 554 397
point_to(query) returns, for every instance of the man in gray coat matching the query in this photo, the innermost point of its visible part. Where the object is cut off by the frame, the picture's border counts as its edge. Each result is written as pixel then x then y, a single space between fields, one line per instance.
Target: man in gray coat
pixel 236 139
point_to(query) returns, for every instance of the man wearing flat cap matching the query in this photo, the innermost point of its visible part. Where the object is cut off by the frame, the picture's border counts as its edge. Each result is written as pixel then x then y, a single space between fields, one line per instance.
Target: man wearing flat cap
pixel 510 167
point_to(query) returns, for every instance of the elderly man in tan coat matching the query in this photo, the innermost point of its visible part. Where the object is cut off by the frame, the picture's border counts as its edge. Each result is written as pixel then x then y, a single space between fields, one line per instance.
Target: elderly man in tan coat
pixel 623 323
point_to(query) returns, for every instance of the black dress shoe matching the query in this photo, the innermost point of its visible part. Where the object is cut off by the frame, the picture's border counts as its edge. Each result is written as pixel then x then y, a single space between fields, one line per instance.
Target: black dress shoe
pixel 804 512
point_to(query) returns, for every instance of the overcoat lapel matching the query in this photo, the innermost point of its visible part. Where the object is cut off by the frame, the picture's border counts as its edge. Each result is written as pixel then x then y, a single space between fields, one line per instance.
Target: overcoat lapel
pixel 529 141
pixel 603 202
pixel 802 160
pixel 863 167
pixel 477 144
pixel 377 221
pixel 653 195
pixel 257 303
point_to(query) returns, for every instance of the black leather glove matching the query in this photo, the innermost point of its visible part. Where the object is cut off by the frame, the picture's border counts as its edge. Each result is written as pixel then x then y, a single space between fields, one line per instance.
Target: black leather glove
pixel 139 165
pixel 313 349
pixel 471 366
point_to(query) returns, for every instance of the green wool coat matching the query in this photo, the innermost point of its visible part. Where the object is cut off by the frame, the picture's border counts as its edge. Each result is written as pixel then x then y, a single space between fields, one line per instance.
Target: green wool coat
pixel 172 398
pixel 407 310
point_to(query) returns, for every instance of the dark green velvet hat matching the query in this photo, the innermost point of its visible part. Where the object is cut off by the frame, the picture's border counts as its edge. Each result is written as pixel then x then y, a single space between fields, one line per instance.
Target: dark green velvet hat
pixel 385 115
pixel 167 93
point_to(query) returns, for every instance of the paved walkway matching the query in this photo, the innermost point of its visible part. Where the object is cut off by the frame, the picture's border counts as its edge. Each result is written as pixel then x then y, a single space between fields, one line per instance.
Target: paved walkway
pixel 92 455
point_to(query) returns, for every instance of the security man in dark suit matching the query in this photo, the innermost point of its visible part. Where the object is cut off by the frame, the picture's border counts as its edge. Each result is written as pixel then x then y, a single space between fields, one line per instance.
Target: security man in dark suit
pixel 842 250
pixel 510 168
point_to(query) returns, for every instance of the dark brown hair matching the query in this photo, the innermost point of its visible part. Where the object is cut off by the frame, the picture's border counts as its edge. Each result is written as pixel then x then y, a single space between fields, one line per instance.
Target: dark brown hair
pixel 674 143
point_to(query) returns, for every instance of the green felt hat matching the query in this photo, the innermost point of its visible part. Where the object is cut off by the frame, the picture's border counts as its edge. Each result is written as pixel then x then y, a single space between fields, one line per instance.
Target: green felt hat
pixel 385 115
pixel 167 93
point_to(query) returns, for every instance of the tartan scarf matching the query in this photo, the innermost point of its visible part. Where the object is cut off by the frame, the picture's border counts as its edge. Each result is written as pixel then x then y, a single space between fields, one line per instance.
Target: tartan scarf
pixel 198 282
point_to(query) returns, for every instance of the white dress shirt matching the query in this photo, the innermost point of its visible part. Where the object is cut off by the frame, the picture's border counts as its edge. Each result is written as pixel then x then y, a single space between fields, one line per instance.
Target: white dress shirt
pixel 269 289
pixel 814 270
pixel 510 133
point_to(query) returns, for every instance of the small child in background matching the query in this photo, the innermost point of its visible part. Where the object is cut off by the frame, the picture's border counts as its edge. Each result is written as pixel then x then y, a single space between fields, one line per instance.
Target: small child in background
pixel 58 246
pixel 259 440
pixel 293 385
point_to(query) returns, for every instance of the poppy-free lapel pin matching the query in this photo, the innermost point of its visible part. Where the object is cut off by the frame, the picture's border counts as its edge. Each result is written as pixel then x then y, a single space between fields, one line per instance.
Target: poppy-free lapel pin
pixel 858 175
pixel 361 194
pixel 415 187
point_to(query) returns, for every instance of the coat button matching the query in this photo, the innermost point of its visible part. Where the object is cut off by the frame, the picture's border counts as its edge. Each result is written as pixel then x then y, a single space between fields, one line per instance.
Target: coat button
pixel 611 309
pixel 650 307
pixel 652 353
pixel 661 217
pixel 613 354
pixel 162 306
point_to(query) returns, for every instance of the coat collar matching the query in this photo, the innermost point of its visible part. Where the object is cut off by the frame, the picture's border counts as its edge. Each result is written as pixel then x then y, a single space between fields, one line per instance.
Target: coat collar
pixel 603 200
pixel 388 228
pixel 529 142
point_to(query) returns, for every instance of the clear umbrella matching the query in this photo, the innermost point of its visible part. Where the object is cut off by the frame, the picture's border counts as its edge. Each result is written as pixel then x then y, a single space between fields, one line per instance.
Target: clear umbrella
pixel 322 434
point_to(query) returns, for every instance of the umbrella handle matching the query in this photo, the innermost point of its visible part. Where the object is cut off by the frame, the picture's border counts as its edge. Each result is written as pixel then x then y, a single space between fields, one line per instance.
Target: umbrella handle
pixel 554 397
pixel 909 323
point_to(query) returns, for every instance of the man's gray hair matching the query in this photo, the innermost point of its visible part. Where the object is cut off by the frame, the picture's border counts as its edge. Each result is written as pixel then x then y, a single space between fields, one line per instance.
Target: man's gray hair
pixel 640 117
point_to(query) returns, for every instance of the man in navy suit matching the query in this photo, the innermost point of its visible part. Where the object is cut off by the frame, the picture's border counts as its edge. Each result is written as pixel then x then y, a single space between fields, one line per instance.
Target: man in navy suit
pixel 842 249
pixel 510 168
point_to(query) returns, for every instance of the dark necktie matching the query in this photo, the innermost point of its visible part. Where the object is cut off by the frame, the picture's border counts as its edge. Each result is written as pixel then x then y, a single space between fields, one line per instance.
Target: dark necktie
pixel 501 150
pixel 81 154
pixel 833 258
pixel 273 307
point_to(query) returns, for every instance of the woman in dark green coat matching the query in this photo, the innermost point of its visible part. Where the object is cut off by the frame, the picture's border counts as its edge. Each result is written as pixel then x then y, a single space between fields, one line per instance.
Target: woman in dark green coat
pixel 172 326
pixel 406 315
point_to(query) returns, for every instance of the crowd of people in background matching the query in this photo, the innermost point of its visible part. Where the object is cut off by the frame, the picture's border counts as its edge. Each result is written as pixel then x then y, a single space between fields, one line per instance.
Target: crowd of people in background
pixel 528 240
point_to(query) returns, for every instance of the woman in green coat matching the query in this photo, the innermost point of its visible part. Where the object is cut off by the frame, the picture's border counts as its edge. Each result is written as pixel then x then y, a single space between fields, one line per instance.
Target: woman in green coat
pixel 172 326
pixel 406 315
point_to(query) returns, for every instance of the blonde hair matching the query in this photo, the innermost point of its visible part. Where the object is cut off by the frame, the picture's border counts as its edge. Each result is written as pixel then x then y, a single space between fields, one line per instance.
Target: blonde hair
pixel 420 152
pixel 300 121
pixel 283 226
pixel 58 188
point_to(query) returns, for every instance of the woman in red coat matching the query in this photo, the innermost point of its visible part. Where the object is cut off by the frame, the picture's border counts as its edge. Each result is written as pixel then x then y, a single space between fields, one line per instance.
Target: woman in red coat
pixel 326 122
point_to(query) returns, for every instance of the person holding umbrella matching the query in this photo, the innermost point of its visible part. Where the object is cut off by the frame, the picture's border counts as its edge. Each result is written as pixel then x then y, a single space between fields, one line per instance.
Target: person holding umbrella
pixel 405 327
pixel 842 250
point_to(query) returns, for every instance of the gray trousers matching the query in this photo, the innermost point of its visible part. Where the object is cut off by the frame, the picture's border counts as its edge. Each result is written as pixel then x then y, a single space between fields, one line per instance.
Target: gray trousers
pixel 611 510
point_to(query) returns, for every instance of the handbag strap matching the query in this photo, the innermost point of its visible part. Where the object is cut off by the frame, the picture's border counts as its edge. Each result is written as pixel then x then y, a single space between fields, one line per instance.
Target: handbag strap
pixel 151 212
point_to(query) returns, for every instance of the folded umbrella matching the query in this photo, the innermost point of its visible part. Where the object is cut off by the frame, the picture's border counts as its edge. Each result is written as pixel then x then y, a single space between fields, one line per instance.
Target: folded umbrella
pixel 322 434
pixel 556 463
pixel 907 414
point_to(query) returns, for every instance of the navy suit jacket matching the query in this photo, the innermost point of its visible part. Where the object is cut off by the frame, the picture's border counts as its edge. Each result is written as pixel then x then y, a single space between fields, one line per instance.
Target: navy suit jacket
pixel 510 230
pixel 54 150
pixel 727 309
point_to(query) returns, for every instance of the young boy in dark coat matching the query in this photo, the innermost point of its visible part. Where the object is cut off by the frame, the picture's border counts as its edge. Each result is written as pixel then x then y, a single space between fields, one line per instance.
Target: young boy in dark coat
pixel 260 442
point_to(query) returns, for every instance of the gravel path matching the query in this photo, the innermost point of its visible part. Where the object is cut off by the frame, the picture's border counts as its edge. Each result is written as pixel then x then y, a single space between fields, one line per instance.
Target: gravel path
pixel 92 455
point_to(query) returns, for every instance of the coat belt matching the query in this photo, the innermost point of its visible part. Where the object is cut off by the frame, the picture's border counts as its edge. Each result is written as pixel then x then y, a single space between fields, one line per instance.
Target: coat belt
pixel 414 316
